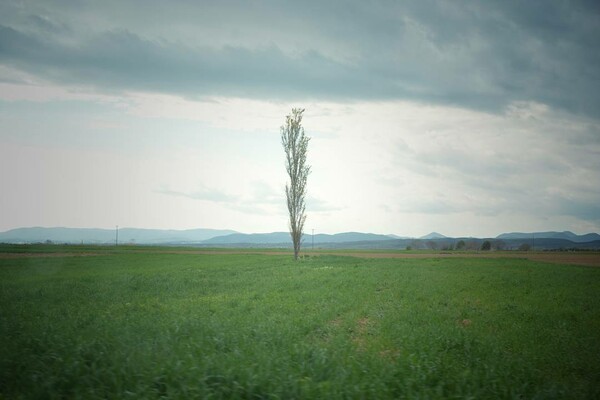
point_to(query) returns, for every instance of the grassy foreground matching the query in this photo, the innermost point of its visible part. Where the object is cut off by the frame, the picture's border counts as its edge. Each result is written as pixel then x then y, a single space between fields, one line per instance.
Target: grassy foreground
pixel 262 326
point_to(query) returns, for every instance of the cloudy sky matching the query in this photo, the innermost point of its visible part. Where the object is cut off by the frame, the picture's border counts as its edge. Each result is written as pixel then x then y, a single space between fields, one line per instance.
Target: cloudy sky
pixel 466 118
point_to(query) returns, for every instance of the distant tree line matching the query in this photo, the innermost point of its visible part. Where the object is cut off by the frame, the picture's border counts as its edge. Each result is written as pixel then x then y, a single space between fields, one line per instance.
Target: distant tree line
pixel 463 245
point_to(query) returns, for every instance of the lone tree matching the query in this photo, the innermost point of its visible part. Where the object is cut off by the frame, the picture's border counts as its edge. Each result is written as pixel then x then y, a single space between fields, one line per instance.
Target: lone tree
pixel 295 145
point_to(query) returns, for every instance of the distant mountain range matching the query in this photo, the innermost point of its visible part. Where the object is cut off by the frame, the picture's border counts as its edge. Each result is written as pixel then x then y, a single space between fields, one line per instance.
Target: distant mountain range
pixel 107 236
pixel 229 238
pixel 566 235
pixel 284 237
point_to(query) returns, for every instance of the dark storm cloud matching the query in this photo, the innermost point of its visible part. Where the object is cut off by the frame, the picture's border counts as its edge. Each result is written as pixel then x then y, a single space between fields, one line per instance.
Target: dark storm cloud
pixel 123 60
pixel 476 55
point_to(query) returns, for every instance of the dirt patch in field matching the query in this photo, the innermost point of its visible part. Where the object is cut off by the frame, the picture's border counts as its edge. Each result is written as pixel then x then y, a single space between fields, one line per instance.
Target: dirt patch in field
pixel 465 322
pixel 363 323
pixel 360 333
pixel 390 355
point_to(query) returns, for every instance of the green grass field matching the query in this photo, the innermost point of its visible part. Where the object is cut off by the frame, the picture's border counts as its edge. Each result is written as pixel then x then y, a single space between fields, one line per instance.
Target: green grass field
pixel 153 325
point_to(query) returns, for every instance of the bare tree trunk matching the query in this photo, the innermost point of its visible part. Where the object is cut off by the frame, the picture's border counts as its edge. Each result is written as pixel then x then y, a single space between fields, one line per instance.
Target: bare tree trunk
pixel 295 145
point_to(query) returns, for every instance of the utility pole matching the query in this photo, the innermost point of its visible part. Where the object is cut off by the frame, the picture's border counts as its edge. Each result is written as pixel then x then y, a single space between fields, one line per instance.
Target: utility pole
pixel 117 237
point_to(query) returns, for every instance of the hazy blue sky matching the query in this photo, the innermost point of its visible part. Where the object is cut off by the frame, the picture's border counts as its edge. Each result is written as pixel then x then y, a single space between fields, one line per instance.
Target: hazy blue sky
pixel 467 118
